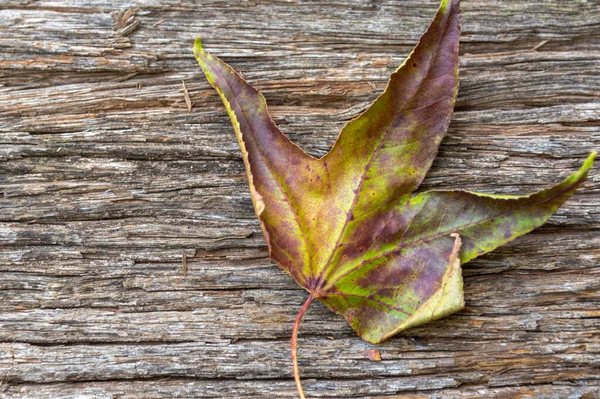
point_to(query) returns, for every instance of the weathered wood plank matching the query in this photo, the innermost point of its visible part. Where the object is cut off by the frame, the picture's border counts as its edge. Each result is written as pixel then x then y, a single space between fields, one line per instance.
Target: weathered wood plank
pixel 191 388
pixel 106 177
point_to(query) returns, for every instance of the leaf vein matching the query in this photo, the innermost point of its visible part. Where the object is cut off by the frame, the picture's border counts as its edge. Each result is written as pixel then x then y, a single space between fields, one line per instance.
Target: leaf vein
pixel 275 178
pixel 434 236
pixel 373 156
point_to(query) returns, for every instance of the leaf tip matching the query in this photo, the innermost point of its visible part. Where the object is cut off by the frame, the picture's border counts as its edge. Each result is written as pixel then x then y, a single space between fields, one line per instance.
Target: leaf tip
pixel 446 3
pixel 589 162
pixel 587 165
pixel 198 49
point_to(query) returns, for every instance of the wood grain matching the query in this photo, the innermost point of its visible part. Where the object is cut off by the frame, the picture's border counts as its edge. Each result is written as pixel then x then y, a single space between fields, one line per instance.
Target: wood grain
pixel 107 176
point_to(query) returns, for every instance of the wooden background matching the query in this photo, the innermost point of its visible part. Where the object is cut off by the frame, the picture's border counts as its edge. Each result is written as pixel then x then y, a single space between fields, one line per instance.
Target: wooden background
pixel 106 178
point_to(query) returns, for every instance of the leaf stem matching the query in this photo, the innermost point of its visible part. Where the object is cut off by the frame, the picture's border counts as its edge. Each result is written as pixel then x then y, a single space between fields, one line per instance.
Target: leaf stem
pixel 294 345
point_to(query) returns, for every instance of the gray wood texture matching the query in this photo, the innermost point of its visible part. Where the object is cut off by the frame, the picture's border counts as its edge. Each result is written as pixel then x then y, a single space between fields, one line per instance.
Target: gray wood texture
pixel 106 177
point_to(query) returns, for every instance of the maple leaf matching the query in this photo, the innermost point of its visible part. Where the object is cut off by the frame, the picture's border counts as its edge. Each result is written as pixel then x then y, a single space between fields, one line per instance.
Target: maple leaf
pixel 347 226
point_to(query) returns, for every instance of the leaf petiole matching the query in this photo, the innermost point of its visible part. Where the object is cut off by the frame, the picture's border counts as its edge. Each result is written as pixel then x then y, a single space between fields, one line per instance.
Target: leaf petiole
pixel 294 345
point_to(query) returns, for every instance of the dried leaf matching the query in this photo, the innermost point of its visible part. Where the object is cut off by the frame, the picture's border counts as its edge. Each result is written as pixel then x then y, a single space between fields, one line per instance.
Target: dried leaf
pixel 373 354
pixel 186 96
pixel 347 226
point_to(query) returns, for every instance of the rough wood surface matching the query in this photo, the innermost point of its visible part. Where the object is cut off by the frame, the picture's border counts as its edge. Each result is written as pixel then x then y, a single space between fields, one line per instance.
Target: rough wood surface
pixel 106 177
